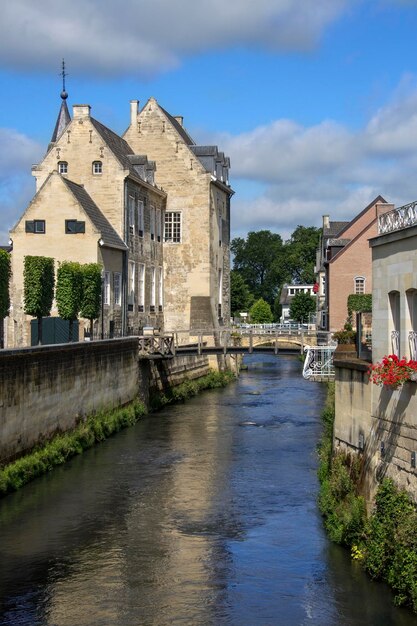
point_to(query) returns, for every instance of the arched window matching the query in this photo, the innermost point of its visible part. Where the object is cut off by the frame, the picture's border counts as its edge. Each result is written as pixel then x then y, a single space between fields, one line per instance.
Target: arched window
pixel 359 284
pixel 97 167
pixel 62 167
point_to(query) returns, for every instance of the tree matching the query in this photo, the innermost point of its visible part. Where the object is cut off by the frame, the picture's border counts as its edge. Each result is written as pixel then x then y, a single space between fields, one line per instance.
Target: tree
pixel 256 260
pixel 38 289
pixel 240 296
pixel 91 296
pixel 5 272
pixel 260 312
pixel 69 290
pixel 302 305
pixel 300 254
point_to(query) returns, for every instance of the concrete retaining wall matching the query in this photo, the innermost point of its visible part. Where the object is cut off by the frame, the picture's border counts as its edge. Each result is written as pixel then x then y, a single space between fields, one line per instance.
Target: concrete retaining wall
pixel 49 389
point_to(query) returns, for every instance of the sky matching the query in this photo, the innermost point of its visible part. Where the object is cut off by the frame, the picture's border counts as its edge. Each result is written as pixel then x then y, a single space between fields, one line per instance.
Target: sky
pixel 314 101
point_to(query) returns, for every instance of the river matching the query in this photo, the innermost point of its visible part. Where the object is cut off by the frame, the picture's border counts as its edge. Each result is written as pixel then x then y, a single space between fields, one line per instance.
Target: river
pixel 203 514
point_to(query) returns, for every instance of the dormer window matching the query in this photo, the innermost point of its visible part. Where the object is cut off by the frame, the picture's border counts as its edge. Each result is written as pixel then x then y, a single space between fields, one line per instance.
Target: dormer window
pixel 63 167
pixel 97 167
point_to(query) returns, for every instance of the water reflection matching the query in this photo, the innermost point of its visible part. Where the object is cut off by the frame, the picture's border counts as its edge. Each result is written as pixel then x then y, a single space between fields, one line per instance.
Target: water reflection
pixel 204 514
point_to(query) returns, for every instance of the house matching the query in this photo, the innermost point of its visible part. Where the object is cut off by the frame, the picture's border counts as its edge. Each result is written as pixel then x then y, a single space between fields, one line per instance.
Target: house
pixel 96 201
pixel 197 218
pixel 344 263
pixel 287 294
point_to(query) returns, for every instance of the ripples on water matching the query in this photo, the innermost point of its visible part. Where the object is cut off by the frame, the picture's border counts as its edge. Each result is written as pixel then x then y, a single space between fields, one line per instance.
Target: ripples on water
pixel 203 514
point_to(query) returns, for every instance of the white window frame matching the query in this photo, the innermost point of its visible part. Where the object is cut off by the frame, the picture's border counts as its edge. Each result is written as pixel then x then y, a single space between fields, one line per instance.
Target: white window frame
pixel 158 224
pixel 173 227
pixel 131 208
pixel 63 167
pixel 359 283
pixel 106 288
pixel 117 288
pixel 97 168
pixel 153 287
pixel 141 285
pixel 161 288
pixel 131 286
pixel 152 221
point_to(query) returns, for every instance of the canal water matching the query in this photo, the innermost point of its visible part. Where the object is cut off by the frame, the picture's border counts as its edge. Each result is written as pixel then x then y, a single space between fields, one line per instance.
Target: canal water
pixel 201 515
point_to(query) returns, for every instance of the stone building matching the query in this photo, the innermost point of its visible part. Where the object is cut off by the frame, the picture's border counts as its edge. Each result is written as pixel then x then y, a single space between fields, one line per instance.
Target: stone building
pixel 96 201
pixel 344 263
pixel 197 218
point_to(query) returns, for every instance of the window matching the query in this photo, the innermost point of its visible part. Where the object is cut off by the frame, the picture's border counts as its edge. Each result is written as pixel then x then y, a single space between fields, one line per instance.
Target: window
pixel 73 227
pixel 161 288
pixel 141 219
pixel 411 295
pixel 97 167
pixel 63 167
pixel 172 233
pixel 394 321
pixel 106 288
pixel 158 225
pixel 153 288
pixel 220 223
pixel 359 284
pixel 152 218
pixel 141 287
pixel 35 226
pixel 131 215
pixel 117 288
pixel 220 292
pixel 131 292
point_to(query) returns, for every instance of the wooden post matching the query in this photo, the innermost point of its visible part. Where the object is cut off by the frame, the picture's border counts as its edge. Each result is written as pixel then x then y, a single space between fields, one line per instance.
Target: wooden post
pixel 250 341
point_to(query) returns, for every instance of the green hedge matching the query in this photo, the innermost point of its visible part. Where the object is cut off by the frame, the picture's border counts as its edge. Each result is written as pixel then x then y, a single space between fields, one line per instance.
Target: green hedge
pixel 386 541
pixel 359 302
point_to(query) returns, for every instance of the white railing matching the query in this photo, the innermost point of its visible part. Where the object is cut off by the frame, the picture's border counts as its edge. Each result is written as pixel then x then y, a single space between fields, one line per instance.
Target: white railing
pixel 395 342
pixel 318 364
pixel 412 342
pixel 402 217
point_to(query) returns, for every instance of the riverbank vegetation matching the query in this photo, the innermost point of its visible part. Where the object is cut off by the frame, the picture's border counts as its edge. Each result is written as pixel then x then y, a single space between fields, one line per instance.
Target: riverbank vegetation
pixel 385 542
pixel 95 428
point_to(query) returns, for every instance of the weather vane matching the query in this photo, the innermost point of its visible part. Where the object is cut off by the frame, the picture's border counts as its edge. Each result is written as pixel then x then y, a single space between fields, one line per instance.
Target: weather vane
pixel 64 94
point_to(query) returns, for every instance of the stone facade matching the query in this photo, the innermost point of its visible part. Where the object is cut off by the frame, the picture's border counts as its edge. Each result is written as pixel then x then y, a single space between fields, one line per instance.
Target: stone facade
pixel 197 226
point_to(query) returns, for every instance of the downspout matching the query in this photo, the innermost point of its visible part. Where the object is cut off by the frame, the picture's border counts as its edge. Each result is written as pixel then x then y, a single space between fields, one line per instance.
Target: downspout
pixel 125 264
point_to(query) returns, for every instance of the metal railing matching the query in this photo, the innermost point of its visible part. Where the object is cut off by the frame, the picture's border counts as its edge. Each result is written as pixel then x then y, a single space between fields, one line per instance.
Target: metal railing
pixel 318 364
pixel 402 217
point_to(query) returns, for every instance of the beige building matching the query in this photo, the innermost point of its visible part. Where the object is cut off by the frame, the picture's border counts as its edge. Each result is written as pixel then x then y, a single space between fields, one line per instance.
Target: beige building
pixel 197 218
pixel 96 201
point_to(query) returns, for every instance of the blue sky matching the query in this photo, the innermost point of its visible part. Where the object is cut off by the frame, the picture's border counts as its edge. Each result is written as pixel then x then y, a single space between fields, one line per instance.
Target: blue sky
pixel 315 102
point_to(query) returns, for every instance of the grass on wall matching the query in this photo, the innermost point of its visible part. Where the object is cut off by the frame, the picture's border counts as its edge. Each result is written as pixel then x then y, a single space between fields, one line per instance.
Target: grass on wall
pixel 385 542
pixel 96 428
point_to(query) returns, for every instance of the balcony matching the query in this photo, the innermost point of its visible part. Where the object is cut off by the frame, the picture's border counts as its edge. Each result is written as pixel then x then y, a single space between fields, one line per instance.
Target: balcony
pixel 402 217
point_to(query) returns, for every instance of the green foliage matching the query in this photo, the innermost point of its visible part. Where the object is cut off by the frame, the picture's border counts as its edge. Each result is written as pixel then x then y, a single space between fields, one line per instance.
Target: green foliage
pixel 91 296
pixel 190 388
pixel 301 307
pixel 38 277
pixel 63 447
pixel 260 312
pixel 300 254
pixel 69 289
pixel 359 303
pixel 345 336
pixel 5 273
pixel 240 296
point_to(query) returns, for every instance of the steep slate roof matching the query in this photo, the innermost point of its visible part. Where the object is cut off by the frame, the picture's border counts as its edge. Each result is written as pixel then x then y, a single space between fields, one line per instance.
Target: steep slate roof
pixel 334 228
pixel 62 121
pixel 108 234
pixel 117 145
pixel 180 129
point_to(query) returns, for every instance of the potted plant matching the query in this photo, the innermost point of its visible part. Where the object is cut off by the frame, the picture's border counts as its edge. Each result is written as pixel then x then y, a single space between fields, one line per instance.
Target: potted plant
pixel 392 371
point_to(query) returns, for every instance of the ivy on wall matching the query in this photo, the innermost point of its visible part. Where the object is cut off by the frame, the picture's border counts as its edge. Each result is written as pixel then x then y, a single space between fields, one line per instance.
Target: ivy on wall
pixel 360 303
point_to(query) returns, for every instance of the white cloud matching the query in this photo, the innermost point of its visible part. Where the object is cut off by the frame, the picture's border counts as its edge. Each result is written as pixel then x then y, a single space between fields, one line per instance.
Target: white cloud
pixel 150 36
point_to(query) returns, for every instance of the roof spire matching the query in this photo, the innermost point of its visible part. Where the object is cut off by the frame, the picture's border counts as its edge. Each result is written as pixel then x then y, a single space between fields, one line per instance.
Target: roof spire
pixel 64 117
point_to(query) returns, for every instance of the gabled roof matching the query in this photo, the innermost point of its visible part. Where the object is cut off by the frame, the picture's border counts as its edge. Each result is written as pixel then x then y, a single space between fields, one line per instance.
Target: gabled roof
pixel 108 234
pixel 334 229
pixel 180 129
pixel 359 215
pixel 117 144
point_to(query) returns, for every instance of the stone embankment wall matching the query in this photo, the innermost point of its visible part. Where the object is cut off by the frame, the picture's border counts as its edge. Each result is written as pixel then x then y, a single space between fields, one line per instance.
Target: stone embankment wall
pixel 49 389
pixel 380 425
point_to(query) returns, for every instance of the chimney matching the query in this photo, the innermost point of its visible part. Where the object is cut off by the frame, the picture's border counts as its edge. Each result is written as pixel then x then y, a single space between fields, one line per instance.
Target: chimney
pixel 326 221
pixel 179 119
pixel 134 110
pixel 80 110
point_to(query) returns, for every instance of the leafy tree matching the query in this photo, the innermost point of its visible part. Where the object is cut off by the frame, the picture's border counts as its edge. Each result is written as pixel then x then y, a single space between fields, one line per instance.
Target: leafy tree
pixel 300 254
pixel 260 312
pixel 38 290
pixel 241 298
pixel 5 272
pixel 302 305
pixel 277 309
pixel 91 297
pixel 257 261
pixel 69 291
